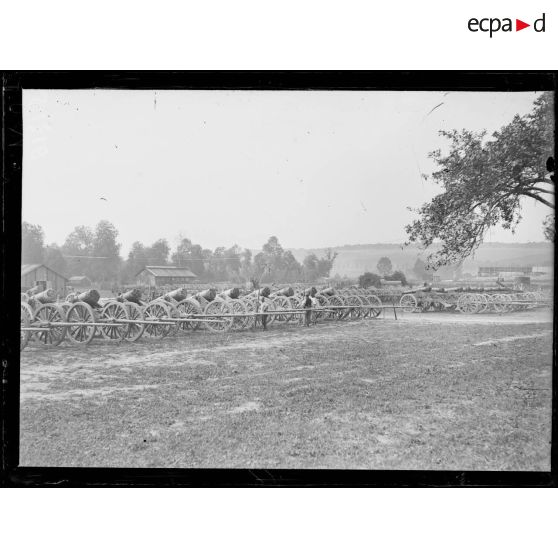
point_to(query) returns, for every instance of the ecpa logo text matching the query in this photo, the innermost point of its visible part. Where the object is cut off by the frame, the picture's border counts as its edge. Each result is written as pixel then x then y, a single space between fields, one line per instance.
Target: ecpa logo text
pixel 494 24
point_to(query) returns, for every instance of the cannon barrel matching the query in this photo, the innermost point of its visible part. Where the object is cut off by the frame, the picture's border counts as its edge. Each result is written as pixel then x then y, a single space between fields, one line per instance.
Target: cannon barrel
pixel 34 290
pixel 311 291
pixel 208 294
pixel 44 297
pixel 328 291
pixel 177 295
pixel 231 293
pixel 287 291
pixel 90 297
pixel 133 295
pixel 266 291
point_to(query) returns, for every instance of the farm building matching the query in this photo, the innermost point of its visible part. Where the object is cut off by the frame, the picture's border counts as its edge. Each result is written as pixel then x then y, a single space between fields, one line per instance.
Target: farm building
pixel 157 276
pixel 80 281
pixel 504 271
pixel 41 275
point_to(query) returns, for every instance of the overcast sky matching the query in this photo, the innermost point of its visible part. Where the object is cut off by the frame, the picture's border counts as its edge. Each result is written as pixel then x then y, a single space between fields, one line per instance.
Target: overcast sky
pixel 316 169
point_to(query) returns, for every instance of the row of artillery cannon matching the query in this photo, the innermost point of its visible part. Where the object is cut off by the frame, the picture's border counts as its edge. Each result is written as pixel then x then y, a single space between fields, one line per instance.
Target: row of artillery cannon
pixel 471 300
pixel 82 317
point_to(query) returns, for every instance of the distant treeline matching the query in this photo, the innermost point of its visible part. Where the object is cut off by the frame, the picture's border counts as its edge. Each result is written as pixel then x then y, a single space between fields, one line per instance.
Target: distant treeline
pixel 95 253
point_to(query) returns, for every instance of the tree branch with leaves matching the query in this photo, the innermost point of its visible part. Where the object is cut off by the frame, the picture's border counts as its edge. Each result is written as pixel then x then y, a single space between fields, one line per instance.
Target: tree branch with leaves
pixel 485 180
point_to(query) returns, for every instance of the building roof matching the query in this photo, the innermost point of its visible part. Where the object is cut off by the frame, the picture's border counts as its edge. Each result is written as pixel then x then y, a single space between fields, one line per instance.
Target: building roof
pixel 77 278
pixel 168 271
pixel 28 268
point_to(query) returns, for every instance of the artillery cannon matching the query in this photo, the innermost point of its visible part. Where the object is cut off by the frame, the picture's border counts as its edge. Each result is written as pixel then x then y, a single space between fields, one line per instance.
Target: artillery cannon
pixel 41 307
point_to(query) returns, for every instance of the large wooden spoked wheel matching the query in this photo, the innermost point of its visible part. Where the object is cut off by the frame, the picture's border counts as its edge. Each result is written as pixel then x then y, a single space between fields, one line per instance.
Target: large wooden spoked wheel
pixel 367 311
pixel 257 308
pixel 355 303
pixel 498 303
pixel 467 304
pixel 343 313
pixel 238 307
pixel 363 311
pixel 135 312
pixel 282 303
pixel 189 307
pixel 437 304
pixel 28 310
pixel 219 309
pixel 111 328
pixel 296 303
pixel 483 302
pixel 376 306
pixel 157 311
pixel 47 315
pixel 65 306
pixel 24 335
pixel 323 301
pixel 336 300
pixel 250 305
pixel 271 307
pixel 409 303
pixel 83 316
pixel 174 313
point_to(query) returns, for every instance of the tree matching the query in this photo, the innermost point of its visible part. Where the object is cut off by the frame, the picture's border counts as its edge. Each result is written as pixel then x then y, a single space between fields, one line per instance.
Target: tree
pixel 246 268
pixel 78 249
pixel 420 270
pixel 325 264
pixel 138 258
pixel 314 267
pixel 218 264
pixel 273 263
pixel 233 262
pixel 384 266
pixel 310 267
pixel 369 280
pixel 549 228
pixel 485 181
pixel 158 252
pixel 54 259
pixel 292 270
pixel 397 276
pixel 191 256
pixel 32 243
pixel 106 253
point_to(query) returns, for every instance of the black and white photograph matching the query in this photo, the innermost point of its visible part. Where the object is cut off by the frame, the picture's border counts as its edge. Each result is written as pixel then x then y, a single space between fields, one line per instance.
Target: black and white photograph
pixel 305 279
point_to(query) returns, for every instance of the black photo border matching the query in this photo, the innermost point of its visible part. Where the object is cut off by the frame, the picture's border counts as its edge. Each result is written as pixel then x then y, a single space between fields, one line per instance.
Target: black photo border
pixel 13 82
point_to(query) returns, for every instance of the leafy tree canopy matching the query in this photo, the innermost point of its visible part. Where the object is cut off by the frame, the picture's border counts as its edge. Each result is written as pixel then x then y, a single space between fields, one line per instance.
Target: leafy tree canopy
pixel 384 266
pixel 369 280
pixel 397 276
pixel 32 243
pixel 484 182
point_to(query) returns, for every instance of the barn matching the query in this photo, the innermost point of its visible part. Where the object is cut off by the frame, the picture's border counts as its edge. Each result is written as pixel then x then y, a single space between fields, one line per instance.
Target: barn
pixel 33 275
pixel 158 276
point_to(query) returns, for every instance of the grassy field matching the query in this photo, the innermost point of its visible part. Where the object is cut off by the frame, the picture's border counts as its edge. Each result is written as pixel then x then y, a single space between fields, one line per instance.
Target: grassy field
pixel 381 394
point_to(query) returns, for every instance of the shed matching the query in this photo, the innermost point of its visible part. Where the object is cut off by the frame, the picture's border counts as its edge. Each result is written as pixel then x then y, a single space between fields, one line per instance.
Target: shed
pixel 157 276
pixel 504 271
pixel 80 281
pixel 33 275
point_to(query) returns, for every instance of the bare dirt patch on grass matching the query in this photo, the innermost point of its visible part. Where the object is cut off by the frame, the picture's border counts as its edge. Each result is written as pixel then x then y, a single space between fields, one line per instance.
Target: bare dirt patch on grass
pixel 510 339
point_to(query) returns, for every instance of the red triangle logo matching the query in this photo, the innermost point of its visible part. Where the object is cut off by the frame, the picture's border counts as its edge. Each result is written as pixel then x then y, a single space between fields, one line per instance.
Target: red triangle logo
pixel 519 25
